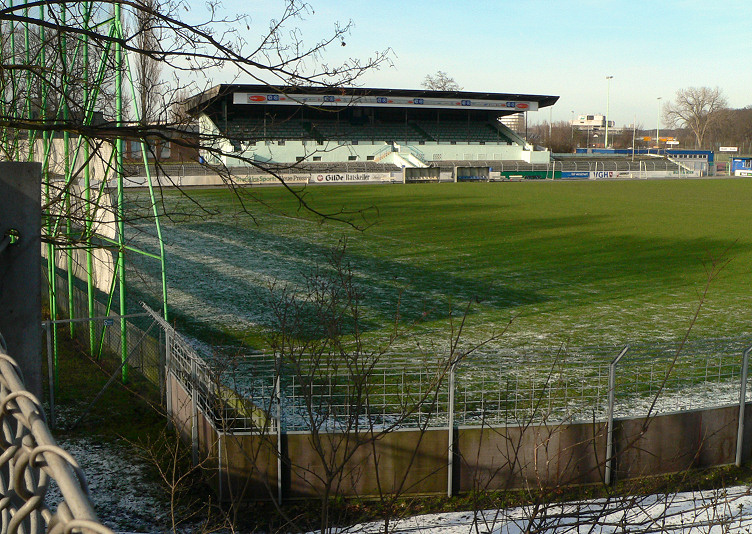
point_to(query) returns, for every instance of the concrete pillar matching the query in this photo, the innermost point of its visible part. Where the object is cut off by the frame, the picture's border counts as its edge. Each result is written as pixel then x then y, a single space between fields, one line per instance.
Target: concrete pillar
pixel 20 268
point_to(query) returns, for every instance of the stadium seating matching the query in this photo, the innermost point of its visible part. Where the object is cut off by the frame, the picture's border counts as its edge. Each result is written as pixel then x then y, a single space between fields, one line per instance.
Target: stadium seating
pixel 471 132
pixel 417 132
pixel 367 132
pixel 613 163
pixel 252 129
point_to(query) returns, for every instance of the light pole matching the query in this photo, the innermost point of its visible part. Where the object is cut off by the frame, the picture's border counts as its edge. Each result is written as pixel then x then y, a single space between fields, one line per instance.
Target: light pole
pixel 608 95
pixel 571 123
pixel 658 126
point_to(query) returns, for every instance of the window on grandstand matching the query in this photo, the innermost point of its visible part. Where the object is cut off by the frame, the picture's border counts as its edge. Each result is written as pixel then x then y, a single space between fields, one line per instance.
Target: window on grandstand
pixel 352 158
pixel 369 158
pixel 299 158
pixel 316 158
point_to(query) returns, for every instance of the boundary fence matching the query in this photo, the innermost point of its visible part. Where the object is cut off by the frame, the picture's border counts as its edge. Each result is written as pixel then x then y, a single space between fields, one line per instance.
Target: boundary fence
pixel 271 435
pixel 266 429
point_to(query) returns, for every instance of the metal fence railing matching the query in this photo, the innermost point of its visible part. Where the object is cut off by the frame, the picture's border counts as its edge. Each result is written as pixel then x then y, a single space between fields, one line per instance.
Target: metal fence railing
pixel 30 461
pixel 520 386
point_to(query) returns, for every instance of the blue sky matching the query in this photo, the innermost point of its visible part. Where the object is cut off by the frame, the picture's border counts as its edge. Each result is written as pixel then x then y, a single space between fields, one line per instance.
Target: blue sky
pixel 559 47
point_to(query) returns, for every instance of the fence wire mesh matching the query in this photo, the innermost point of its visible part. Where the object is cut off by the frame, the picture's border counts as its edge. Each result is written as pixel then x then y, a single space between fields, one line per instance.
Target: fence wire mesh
pixel 103 333
pixel 516 386
pixel 521 385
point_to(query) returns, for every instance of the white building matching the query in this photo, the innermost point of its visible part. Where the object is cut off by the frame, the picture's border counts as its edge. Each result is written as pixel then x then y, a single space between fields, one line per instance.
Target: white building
pixel 592 123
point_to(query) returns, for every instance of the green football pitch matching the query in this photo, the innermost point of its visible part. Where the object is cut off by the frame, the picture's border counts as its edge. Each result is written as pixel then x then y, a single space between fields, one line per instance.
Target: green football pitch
pixel 586 263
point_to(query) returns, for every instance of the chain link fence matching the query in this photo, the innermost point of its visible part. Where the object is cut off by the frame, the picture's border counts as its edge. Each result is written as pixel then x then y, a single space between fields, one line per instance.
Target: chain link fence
pixel 521 386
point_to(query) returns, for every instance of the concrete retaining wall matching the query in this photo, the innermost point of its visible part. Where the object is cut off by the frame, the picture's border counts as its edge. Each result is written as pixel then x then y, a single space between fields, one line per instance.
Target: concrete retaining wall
pixel 413 462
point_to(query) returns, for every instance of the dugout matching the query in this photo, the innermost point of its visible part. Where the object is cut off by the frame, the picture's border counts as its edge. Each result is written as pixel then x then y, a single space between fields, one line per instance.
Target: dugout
pixel 472 174
pixel 420 175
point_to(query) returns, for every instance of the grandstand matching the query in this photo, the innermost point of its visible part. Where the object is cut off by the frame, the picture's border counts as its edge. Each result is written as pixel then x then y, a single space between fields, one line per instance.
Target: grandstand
pixel 395 127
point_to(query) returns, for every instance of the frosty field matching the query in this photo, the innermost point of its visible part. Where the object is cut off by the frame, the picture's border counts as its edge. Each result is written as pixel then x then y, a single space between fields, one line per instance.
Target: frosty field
pixel 568 263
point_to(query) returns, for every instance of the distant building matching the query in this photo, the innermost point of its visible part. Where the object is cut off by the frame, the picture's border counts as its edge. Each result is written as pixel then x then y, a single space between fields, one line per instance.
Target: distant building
pixel 591 123
pixel 741 166
pixel 515 122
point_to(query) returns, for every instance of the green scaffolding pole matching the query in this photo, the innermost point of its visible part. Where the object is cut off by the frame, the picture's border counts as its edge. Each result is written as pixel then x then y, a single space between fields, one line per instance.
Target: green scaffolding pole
pixel 33 103
pixel 120 192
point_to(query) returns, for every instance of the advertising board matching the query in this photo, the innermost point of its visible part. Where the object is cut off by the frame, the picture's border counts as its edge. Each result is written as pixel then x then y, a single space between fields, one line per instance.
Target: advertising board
pixel 349 177
pixel 378 101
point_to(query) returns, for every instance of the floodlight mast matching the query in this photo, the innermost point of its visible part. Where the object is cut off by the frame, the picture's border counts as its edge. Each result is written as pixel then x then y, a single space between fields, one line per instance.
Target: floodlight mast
pixel 658 127
pixel 608 97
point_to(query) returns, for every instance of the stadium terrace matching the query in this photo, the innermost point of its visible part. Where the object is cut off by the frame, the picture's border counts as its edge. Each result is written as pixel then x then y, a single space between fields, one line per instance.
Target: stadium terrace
pixel 404 128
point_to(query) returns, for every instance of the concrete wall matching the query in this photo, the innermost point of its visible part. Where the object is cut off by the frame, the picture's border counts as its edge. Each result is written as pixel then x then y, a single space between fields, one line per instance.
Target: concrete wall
pixel 20 291
pixel 334 152
pixel 411 462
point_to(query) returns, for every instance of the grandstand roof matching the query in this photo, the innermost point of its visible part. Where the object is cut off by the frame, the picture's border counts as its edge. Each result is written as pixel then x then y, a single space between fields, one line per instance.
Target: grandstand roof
pixel 501 103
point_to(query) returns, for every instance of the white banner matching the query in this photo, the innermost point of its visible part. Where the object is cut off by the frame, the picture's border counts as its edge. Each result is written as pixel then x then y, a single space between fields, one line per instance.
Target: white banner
pixel 350 177
pixel 269 179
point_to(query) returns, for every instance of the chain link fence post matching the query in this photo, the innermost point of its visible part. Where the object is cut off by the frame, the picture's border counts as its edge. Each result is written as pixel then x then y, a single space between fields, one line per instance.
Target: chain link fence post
pixel 168 372
pixel 450 436
pixel 742 407
pixel 194 412
pixel 51 372
pixel 278 424
pixel 610 427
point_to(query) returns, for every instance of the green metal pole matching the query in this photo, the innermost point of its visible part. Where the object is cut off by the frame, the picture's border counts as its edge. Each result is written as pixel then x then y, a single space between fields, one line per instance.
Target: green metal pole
pixel 67 163
pixel 87 191
pixel 51 249
pixel 155 209
pixel 10 94
pixel 27 49
pixel 120 193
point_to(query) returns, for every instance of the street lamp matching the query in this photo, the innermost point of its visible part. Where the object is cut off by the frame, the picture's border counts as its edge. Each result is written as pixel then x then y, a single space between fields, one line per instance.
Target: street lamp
pixel 658 126
pixel 608 94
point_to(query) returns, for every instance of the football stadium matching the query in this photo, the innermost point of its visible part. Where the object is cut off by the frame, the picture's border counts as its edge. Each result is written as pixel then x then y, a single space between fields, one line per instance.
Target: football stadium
pixel 377 290
pixel 314 135
pixel 403 128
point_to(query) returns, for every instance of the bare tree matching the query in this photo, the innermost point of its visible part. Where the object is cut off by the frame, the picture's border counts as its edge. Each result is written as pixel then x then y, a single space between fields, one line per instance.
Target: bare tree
pixel 695 108
pixel 148 66
pixel 441 81
pixel 45 89
pixel 558 137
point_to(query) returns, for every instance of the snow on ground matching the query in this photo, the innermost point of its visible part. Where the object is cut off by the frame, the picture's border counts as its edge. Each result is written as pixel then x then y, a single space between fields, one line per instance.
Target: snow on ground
pixel 707 512
pixel 128 501
pixel 123 497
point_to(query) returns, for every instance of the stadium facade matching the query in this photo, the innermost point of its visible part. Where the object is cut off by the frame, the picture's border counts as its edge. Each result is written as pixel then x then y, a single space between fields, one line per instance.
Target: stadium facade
pixel 406 128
